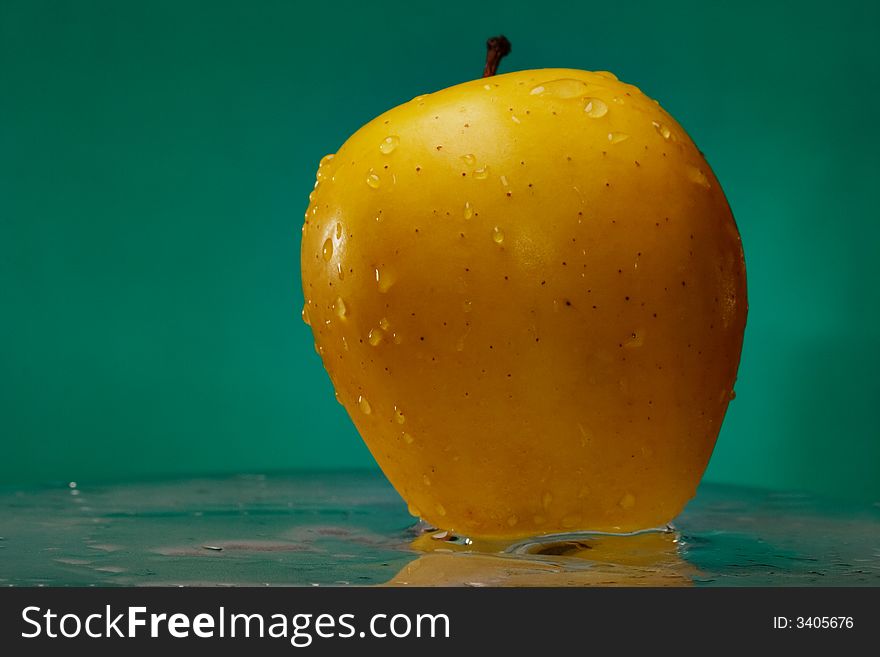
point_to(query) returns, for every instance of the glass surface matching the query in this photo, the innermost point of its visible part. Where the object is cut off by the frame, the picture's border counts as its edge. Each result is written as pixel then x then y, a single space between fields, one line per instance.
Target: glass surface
pixel 352 529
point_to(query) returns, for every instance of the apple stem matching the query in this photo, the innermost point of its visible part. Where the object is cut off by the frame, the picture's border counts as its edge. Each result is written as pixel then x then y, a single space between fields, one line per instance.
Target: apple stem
pixel 496 49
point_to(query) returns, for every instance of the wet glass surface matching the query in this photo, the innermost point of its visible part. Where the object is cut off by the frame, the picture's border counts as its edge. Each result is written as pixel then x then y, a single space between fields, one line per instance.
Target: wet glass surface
pixel 352 529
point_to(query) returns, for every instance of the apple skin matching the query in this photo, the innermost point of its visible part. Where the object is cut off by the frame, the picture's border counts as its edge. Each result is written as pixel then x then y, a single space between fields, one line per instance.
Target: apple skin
pixel 529 292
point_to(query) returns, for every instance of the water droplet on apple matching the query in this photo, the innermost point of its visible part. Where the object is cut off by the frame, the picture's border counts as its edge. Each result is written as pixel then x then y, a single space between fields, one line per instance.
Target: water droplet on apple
pixel 399 416
pixel 661 129
pixel 468 210
pixel 595 108
pixel 482 173
pixel 340 308
pixel 305 314
pixel 328 249
pixel 497 235
pixel 408 439
pixel 586 435
pixel 636 339
pixel 562 88
pixel 374 337
pixel 338 230
pixel 607 75
pixel 364 405
pixel 384 280
pixel 466 305
pixel 617 137
pixel 373 180
pixel 504 180
pixel 697 176
pixel 389 144
pixel 469 159
pixel 384 324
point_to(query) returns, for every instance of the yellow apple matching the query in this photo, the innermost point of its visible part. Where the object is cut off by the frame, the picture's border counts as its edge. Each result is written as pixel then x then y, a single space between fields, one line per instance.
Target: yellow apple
pixel 529 292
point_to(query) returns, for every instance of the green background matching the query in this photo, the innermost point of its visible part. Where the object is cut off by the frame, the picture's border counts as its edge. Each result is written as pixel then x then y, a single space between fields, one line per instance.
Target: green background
pixel 156 158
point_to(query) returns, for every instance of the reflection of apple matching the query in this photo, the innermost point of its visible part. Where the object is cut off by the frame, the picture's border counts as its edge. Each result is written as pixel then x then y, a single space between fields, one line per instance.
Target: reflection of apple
pixel 649 559
pixel 530 295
